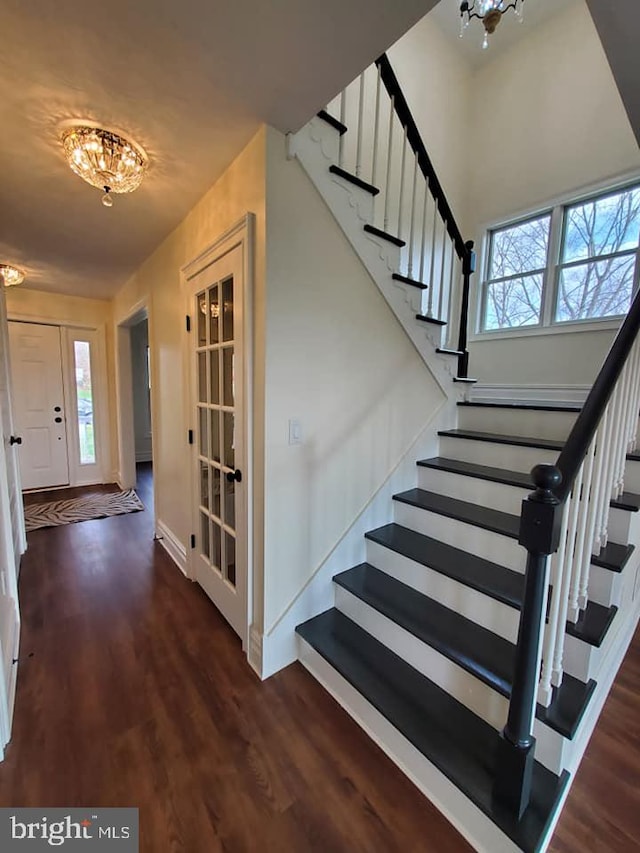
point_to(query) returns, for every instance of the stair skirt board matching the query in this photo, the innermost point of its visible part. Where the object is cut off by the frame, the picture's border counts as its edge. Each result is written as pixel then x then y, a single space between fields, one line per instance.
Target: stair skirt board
pixel 505 419
pixel 479 830
pixel 552 749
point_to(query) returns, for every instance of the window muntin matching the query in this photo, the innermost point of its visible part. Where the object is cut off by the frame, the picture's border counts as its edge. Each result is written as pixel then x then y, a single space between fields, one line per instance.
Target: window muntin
pixel 576 263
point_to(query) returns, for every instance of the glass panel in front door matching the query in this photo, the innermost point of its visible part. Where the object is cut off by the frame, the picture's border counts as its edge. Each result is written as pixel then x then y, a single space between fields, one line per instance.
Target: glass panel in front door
pixel 216 420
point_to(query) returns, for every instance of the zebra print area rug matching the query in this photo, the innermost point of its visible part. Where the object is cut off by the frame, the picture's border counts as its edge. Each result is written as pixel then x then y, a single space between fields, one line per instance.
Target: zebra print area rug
pixel 100 505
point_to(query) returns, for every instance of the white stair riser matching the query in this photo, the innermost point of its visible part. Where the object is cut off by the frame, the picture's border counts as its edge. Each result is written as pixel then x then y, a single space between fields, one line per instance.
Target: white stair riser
pixel 632 476
pixel 624 526
pixel 473 605
pixel 473 490
pixel 466 688
pixel 497 455
pixel 476 540
pixel 556 425
pixel 455 680
pixel 580 659
pixel 605 586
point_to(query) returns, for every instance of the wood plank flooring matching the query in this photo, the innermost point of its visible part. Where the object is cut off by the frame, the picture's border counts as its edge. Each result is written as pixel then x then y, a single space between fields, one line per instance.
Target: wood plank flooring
pixel 138 694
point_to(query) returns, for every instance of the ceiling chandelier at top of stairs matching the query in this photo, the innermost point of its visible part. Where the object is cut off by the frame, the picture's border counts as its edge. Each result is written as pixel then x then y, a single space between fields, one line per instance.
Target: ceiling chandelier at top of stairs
pixel 490 12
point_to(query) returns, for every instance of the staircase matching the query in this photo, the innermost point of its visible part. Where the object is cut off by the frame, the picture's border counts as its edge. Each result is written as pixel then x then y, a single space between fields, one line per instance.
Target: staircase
pixel 480 666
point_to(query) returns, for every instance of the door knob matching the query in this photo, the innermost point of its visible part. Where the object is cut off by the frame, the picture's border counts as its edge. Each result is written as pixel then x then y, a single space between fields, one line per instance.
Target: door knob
pixel 234 475
pixel 15 439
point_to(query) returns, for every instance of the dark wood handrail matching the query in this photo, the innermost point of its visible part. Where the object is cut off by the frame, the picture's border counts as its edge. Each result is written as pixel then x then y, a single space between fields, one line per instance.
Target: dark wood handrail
pixel 584 429
pixel 388 77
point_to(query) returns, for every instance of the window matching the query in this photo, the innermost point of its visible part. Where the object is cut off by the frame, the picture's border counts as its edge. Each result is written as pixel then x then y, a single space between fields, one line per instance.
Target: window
pixel 574 263
pixel 84 401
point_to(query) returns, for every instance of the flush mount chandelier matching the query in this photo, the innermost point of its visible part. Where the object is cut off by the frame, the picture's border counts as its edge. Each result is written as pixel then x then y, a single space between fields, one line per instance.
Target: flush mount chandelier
pixel 104 159
pixel 12 275
pixel 490 12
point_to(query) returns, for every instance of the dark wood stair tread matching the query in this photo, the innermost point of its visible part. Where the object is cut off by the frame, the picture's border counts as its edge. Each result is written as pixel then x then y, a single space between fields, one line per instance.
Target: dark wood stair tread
pixel 333 121
pixel 480 516
pixel 499 438
pixel 613 557
pixel 354 179
pixel 424 319
pixel 629 501
pixel 461 745
pixel 533 407
pixel 500 583
pixel 477 650
pixel 405 279
pixel 377 232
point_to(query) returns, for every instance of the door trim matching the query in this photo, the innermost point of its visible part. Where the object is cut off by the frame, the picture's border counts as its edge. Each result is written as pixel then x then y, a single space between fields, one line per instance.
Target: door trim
pixel 241 234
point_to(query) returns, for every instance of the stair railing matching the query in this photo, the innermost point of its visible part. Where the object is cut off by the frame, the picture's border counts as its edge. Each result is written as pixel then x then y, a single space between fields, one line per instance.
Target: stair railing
pixel 387 153
pixel 567 519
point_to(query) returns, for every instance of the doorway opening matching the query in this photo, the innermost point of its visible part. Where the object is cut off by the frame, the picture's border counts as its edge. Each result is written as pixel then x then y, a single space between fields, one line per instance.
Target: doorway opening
pixel 135 389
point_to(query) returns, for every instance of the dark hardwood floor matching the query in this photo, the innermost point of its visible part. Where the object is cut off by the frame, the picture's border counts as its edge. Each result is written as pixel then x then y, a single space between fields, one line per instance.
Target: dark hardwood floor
pixel 138 694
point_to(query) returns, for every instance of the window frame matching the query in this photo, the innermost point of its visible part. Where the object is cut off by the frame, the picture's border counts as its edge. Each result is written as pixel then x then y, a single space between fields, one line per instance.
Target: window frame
pixel 551 275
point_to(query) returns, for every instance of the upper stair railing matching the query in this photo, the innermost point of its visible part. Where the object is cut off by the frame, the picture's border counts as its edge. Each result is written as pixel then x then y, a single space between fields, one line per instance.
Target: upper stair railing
pixel 386 153
pixel 568 517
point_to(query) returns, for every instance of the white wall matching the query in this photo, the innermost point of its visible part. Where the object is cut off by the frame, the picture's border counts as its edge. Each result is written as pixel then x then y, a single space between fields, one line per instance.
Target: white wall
pixel 339 362
pixel 140 387
pixel 536 122
pixel 157 283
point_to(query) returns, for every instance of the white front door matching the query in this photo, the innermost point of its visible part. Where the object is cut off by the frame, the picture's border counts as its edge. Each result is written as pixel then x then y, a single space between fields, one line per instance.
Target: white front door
pixel 38 398
pixel 219 561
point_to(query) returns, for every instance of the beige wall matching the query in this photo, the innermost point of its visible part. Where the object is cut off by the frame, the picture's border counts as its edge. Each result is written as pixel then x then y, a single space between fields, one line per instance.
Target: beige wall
pixel 38 306
pixel 548 121
pixel 437 85
pixel 240 190
pixel 338 361
pixel 535 123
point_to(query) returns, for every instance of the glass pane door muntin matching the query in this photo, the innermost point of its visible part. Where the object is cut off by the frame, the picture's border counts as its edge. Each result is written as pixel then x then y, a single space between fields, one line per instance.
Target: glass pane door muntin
pixel 216 444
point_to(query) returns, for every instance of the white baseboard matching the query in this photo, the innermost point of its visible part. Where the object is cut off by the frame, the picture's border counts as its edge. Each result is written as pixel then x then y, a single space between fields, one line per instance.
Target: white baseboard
pixel 552 395
pixel 255 650
pixel 172 545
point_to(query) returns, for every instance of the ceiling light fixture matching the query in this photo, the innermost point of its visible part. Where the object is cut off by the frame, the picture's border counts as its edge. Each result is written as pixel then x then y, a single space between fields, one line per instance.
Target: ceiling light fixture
pixel 104 159
pixel 490 12
pixel 12 275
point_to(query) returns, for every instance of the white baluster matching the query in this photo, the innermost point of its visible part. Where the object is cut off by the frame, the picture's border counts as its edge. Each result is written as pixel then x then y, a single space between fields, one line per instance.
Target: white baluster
pixel 433 259
pixel 452 271
pixel 590 512
pixel 360 124
pixel 619 444
pixel 605 491
pixel 635 397
pixel 443 253
pixel 424 230
pixel 545 691
pixel 581 550
pixel 413 216
pixel 387 189
pixel 343 116
pixel 401 195
pixel 376 129
pixel 567 576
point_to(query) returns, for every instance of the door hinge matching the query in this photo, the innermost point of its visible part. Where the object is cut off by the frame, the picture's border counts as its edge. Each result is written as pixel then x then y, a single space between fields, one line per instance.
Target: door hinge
pixel 188 323
pixel 193 540
pixel 190 436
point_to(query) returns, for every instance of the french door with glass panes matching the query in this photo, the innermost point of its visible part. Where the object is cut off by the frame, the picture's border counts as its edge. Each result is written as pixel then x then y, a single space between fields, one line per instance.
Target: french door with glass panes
pixel 220 558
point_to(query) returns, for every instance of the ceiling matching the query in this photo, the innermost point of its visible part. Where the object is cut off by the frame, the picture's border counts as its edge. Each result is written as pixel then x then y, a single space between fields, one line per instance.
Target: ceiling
pixel 190 81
